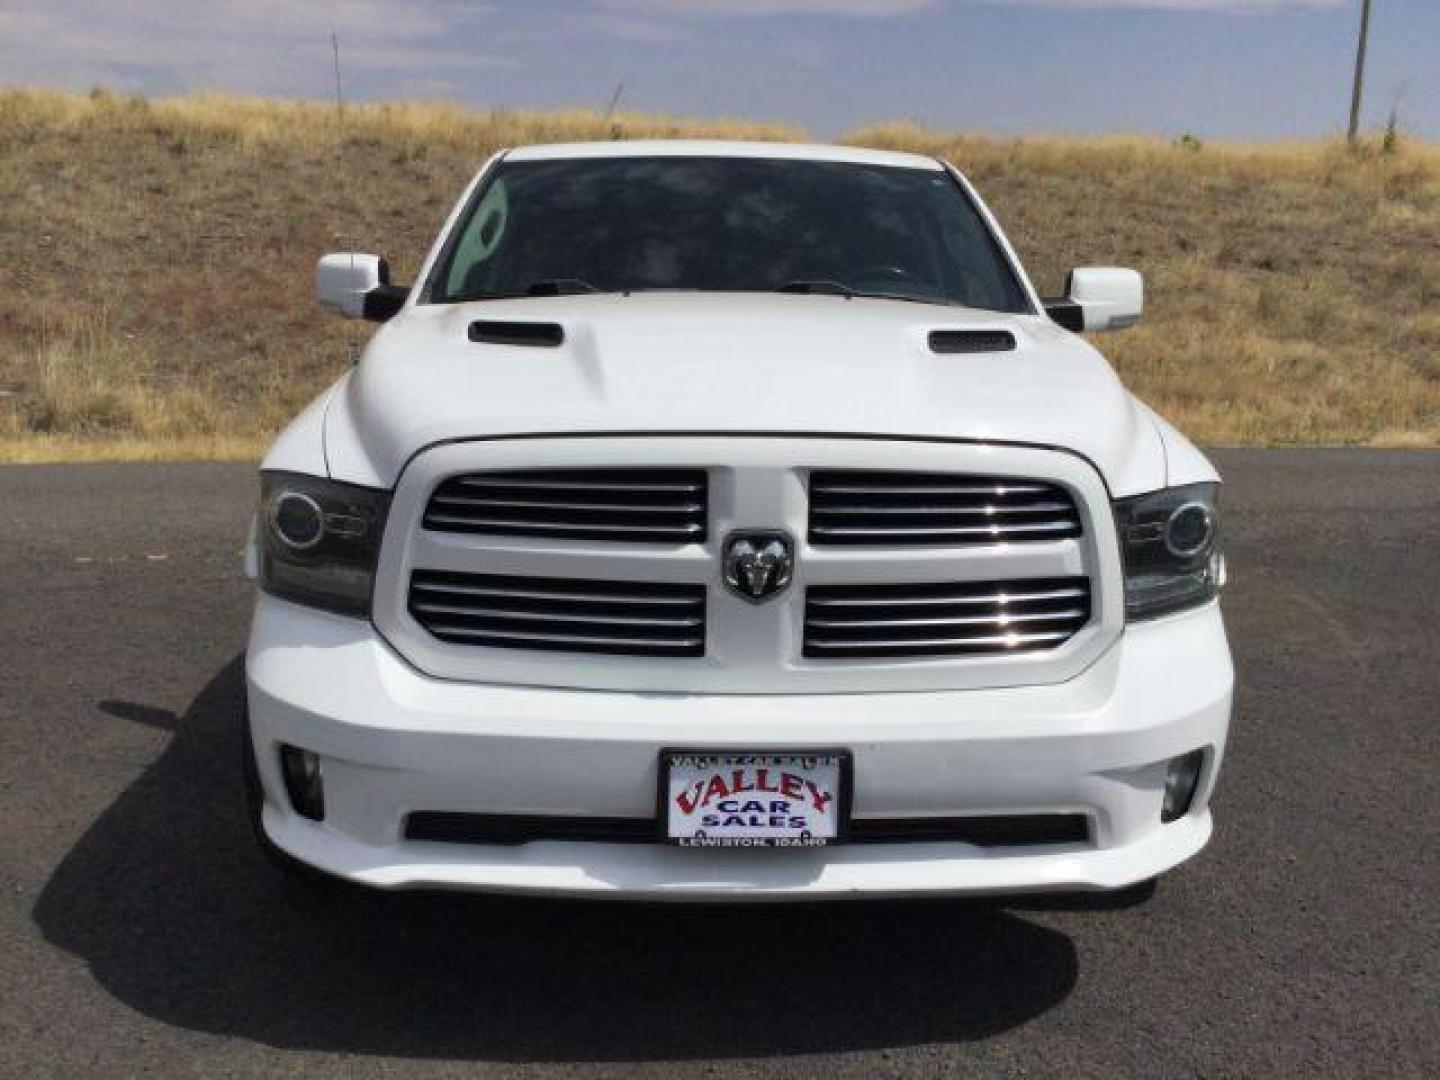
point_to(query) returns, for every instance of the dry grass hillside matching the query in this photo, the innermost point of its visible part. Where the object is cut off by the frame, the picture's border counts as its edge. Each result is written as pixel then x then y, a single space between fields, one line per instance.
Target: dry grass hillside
pixel 158 258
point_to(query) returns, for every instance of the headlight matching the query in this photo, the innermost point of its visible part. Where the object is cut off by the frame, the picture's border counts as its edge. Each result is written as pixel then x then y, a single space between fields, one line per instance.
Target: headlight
pixel 319 540
pixel 1170 545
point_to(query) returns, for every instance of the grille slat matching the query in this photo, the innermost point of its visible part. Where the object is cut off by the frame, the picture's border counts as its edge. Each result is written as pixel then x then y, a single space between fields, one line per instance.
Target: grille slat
pixel 954 620
pixel 896 598
pixel 939 487
pixel 937 646
pixel 516 639
pixel 859 507
pixel 689 508
pixel 538 593
pixel 688 532
pixel 922 532
pixel 560 614
pixel 879 621
pixel 551 616
pixel 547 480
pixel 616 505
pixel 989 510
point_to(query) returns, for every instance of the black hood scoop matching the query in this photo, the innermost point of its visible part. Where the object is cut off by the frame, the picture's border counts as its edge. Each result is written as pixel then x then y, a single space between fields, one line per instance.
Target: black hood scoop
pixel 971 341
pixel 540 335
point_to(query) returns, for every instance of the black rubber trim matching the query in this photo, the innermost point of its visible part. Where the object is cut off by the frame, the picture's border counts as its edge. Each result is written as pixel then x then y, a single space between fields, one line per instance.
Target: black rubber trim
pixel 1066 312
pixel 384 302
pixel 1008 830
pixel 543 335
pixel 513 829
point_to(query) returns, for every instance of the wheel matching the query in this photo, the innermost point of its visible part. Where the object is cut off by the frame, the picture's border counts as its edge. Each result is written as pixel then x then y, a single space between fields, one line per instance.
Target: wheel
pixel 294 871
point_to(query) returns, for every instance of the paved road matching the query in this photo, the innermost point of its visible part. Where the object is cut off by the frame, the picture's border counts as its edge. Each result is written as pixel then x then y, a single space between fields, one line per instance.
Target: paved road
pixel 140 932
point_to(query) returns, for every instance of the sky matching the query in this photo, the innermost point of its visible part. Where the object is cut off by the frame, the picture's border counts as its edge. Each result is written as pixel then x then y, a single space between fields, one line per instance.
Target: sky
pixel 1236 69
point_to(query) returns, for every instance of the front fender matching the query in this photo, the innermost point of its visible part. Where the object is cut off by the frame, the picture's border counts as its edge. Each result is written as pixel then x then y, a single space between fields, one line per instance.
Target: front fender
pixel 301 446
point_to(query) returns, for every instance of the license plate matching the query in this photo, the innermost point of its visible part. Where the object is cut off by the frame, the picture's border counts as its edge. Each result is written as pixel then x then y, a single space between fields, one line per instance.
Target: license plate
pixel 768 799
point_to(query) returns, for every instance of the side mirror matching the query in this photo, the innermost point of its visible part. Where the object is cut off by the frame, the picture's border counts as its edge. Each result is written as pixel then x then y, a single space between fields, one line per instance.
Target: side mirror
pixel 1099 298
pixel 356 286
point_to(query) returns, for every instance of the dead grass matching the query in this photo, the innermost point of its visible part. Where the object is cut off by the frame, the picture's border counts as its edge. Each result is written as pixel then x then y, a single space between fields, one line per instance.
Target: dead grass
pixel 42 449
pixel 1293 288
pixel 159 256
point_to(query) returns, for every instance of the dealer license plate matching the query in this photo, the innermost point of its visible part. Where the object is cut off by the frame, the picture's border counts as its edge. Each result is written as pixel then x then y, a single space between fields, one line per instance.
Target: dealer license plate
pixel 754 800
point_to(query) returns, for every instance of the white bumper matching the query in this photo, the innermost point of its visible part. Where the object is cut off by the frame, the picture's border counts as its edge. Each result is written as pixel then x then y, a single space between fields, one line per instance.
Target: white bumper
pixel 394 741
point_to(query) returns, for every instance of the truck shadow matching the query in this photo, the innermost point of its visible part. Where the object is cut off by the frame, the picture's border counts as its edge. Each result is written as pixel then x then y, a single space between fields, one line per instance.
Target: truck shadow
pixel 179 917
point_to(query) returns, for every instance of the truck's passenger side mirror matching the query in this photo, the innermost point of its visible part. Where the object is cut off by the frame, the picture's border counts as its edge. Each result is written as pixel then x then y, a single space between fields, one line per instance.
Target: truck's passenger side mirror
pixel 1099 298
pixel 356 286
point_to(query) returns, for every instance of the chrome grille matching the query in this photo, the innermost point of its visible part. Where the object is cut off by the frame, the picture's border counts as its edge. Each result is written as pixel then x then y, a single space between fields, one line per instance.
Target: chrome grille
pixel 939 619
pixel 871 507
pixel 662 506
pixel 560 614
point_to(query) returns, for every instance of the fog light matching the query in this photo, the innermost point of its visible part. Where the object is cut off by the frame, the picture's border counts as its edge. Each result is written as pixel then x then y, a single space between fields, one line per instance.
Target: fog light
pixel 301 770
pixel 1181 779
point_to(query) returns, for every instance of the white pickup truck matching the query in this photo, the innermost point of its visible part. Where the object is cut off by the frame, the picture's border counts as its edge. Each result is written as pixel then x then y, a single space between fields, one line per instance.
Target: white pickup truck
pixel 717 520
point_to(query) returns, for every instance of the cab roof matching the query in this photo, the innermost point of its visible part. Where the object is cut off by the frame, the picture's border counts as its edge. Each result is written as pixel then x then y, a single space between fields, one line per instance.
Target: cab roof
pixel 721 148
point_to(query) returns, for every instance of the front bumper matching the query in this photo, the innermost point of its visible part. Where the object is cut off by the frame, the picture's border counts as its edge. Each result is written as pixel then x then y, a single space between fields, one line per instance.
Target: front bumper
pixel 393 742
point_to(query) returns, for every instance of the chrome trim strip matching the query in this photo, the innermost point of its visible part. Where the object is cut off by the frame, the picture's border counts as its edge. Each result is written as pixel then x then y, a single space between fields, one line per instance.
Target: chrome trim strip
pixel 939 488
pixel 481 524
pixel 567 639
pixel 998 529
pixel 1077 615
pixel 1005 640
pixel 550 616
pixel 553 594
pixel 534 504
pixel 988 508
pixel 497 481
pixel 1005 597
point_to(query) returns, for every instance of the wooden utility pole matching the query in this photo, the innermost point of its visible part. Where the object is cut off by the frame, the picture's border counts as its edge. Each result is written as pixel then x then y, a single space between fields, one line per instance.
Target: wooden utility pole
pixel 1359 71
pixel 614 100
pixel 340 101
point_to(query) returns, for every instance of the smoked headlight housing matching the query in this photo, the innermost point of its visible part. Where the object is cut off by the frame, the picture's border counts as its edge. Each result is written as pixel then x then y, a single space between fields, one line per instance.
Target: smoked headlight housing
pixel 1170 546
pixel 319 540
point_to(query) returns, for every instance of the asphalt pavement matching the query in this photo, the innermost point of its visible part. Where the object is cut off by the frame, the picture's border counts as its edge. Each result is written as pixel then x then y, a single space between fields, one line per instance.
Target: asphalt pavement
pixel 141 933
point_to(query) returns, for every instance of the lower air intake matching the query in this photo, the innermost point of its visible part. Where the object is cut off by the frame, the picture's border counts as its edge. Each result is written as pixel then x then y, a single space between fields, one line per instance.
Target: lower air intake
pixel 1008 830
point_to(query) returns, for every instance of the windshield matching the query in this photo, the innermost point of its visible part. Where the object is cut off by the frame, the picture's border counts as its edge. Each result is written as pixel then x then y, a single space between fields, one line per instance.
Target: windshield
pixel 543 228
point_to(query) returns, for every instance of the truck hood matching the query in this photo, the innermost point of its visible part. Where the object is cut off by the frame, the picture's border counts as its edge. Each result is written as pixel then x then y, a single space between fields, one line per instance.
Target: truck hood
pixel 720 363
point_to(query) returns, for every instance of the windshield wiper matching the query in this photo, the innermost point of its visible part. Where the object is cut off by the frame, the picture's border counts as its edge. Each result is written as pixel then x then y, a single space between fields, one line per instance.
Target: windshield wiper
pixel 909 298
pixel 568 286
pixel 831 288
pixel 839 288
pixel 548 287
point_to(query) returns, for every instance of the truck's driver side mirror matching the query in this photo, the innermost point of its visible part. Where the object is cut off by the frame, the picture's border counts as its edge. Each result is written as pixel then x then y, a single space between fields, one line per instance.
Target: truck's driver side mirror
pixel 356 286
pixel 1099 298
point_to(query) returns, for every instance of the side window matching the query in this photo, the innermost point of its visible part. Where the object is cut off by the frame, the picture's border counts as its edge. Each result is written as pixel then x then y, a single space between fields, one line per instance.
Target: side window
pixel 481 237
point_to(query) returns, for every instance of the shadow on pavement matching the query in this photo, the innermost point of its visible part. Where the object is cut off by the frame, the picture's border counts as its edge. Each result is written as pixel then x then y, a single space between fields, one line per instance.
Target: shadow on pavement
pixel 179 917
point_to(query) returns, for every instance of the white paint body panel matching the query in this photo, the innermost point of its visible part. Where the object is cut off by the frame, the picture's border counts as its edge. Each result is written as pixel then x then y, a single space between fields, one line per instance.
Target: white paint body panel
pixel 394 741
pixel 342 280
pixel 773 151
pixel 301 446
pixel 1111 297
pixel 734 363
pixel 757 389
